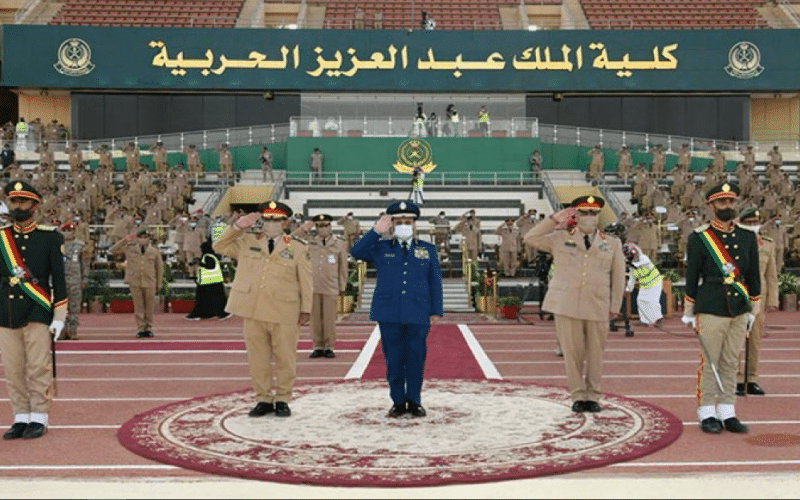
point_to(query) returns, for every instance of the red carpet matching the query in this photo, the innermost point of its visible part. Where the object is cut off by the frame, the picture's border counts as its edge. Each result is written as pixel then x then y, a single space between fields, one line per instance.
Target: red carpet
pixel 448 356
pixel 150 345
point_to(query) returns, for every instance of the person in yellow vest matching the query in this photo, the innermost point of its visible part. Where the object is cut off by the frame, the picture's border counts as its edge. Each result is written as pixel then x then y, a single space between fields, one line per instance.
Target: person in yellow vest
pixel 22 135
pixel 328 256
pixel 483 121
pixel 209 296
pixel 646 274
pixel 417 183
pixel 752 218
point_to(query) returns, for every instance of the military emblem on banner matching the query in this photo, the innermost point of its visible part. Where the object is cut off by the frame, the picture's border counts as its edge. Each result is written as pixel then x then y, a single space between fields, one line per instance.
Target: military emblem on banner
pixel 744 61
pixel 74 58
pixel 413 153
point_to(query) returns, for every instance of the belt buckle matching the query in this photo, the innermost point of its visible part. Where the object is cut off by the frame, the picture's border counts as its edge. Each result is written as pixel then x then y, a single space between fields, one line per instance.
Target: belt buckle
pixel 728 280
pixel 14 281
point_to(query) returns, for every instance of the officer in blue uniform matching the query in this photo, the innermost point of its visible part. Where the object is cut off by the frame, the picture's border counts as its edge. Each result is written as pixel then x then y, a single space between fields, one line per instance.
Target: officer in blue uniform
pixel 407 300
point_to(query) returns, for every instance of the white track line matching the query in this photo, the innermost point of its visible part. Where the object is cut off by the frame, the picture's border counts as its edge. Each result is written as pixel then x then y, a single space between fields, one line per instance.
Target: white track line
pixel 89 467
pixel 488 368
pixel 360 365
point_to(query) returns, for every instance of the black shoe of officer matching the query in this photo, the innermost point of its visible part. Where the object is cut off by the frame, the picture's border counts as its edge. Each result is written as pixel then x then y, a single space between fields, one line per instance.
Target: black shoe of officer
pixel 282 409
pixel 579 406
pixel 733 425
pixel 34 430
pixel 754 388
pixel 592 406
pixel 397 411
pixel 416 410
pixel 329 353
pixel 316 353
pixel 15 431
pixel 262 409
pixel 740 389
pixel 711 425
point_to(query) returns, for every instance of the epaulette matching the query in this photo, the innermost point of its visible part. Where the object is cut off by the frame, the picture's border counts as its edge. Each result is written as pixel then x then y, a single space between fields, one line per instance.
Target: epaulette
pixel 6 226
pixel 301 240
pixel 45 228
pixel 767 238
pixel 701 228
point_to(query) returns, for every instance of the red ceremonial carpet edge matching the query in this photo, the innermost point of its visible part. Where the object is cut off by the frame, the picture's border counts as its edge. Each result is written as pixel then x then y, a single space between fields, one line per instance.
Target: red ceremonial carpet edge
pixel 339 435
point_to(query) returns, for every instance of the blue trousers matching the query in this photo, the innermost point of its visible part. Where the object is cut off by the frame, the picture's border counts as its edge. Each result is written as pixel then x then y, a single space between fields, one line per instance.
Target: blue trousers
pixel 404 347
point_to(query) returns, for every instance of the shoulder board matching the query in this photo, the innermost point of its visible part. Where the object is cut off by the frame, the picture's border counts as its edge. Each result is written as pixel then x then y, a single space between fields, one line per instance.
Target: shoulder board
pixel 6 226
pixel 301 240
pixel 45 228
pixel 743 227
pixel 700 229
pixel 338 238
pixel 767 238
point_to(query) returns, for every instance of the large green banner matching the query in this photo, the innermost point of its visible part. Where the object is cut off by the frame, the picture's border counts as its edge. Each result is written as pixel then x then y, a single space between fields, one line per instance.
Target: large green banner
pixel 80 57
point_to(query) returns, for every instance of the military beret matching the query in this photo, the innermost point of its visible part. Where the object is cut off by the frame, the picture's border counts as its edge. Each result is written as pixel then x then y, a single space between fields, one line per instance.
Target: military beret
pixel 750 213
pixel 590 202
pixel 322 218
pixel 21 189
pixel 274 210
pixel 723 190
pixel 403 209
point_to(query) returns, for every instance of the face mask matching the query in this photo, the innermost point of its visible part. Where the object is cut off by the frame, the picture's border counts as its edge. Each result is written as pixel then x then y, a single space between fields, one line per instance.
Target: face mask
pixel 193 225
pixel 726 214
pixel 138 223
pixel 19 215
pixel 272 229
pixel 588 223
pixel 777 223
pixel 404 232
pixel 324 232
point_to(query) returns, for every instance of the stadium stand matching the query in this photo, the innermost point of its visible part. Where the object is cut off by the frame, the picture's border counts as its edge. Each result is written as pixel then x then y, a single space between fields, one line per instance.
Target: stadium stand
pixel 674 14
pixel 174 13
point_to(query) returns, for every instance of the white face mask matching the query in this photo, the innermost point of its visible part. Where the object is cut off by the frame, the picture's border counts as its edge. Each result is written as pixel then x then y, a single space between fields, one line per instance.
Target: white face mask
pixel 404 232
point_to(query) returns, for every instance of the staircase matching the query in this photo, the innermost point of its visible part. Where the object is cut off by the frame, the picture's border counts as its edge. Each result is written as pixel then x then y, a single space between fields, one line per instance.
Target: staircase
pixel 454 290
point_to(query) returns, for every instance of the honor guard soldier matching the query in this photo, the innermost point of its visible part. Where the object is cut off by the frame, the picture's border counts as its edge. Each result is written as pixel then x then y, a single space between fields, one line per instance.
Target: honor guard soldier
pixel 408 299
pixel 584 293
pixel 75 273
pixel 752 219
pixel 143 271
pixel 272 291
pixel 328 256
pixel 722 287
pixel 33 311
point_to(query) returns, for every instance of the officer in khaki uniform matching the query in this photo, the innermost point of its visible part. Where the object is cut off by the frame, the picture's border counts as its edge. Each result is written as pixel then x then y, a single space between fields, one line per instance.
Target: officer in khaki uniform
pixel 75 157
pixel 328 256
pixel 273 293
pixel 441 232
pixel 31 311
pixel 75 273
pixel 585 291
pixel 352 229
pixel 752 219
pixel 509 247
pixel 722 288
pixel 143 271
pixel 470 228
pixel 159 157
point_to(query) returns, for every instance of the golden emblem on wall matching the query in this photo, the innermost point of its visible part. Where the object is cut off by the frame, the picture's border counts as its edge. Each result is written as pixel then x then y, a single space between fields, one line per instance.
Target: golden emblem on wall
pixel 414 153
pixel 74 58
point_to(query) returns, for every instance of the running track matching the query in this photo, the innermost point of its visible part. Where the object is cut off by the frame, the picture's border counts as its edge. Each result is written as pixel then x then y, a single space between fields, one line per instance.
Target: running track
pixel 99 390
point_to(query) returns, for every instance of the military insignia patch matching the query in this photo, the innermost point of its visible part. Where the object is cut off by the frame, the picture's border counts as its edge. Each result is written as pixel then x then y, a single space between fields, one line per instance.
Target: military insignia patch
pixel 570 243
pixel 421 253
pixel 286 254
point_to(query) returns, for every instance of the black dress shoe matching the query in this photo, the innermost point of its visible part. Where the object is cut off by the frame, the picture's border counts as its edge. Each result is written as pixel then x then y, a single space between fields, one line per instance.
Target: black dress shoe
pixel 711 425
pixel 316 353
pixel 34 430
pixel 15 431
pixel 146 334
pixel 282 409
pixel 397 411
pixel 579 406
pixel 329 353
pixel 754 388
pixel 733 425
pixel 262 409
pixel 592 406
pixel 740 389
pixel 416 410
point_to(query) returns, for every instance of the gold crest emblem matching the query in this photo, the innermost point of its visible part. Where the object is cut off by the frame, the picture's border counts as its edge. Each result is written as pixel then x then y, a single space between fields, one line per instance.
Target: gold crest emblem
pixel 272 204
pixel 74 58
pixel 414 153
pixel 590 199
pixel 17 186
pixel 725 188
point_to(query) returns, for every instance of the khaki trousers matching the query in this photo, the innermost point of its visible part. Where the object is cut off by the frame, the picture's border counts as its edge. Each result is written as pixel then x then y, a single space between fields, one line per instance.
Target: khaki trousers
pixel 471 252
pixel 29 371
pixel 264 340
pixel 723 338
pixel 144 303
pixel 510 263
pixel 753 348
pixel 323 321
pixel 582 342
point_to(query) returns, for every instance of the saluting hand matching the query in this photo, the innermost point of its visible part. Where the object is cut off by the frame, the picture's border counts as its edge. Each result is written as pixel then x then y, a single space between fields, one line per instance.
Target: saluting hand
pixel 307 225
pixel 130 237
pixel 563 216
pixel 246 221
pixel 384 224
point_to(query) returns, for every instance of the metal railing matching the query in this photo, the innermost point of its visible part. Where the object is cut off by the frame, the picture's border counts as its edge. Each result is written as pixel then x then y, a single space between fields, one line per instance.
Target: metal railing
pixel 550 192
pixel 367 126
pixel 404 180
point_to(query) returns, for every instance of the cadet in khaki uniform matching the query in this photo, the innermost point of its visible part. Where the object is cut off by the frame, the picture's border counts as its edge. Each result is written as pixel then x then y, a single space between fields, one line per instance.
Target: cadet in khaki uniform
pixel 441 232
pixel 659 160
pixel 31 311
pixel 625 162
pixel 159 157
pixel 352 229
pixel 684 157
pixel 752 219
pixel 143 270
pixel 75 157
pixel 595 169
pixel 272 292
pixel 225 160
pixel 75 272
pixel 525 223
pixel 131 157
pixel 328 256
pixel 509 247
pixel 193 164
pixel 470 228
pixel 585 291
pixel 725 257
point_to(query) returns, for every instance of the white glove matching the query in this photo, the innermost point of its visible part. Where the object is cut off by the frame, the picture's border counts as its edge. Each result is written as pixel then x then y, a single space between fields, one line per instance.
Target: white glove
pixel 55 328
pixel 751 319
pixel 689 320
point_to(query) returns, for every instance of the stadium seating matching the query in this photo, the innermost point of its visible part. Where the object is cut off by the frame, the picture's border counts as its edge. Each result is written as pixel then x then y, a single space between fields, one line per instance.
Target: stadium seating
pixel 151 13
pixel 673 14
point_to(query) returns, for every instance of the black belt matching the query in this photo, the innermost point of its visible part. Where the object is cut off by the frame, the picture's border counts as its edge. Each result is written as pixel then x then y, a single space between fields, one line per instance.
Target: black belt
pixel 717 279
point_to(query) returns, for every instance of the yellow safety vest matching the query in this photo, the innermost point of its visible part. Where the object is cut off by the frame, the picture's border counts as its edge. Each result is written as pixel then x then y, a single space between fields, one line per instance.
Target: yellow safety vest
pixel 210 276
pixel 647 276
pixel 22 128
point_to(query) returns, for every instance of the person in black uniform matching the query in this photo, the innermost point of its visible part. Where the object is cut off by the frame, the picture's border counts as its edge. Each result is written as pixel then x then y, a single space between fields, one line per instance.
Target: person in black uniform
pixel 724 256
pixel 32 314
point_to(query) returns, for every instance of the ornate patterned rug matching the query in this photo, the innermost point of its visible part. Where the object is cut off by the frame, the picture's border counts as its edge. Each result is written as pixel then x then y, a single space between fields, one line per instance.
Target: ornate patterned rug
pixel 338 434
